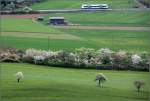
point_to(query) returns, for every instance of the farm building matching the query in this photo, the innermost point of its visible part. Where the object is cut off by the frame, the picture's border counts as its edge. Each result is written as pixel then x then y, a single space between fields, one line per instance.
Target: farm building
pixel 57 21
pixel 40 18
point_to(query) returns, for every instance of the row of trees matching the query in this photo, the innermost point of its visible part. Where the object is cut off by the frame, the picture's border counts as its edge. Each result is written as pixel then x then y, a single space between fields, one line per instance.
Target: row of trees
pixel 12 5
pixel 103 58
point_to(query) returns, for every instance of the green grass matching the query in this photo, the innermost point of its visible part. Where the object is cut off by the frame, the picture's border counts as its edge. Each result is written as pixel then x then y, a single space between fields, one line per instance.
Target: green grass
pixel 106 18
pixel 25 25
pixel 71 4
pixel 85 18
pixel 62 84
pixel 134 41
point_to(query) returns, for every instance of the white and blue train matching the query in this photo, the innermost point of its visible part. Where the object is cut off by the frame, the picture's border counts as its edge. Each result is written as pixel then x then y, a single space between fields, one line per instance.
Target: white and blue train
pixel 94 6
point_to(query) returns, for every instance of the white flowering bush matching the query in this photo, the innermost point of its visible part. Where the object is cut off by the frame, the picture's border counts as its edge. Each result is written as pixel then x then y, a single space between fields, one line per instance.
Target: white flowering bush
pixel 81 58
pixel 38 59
pixel 136 59
pixel 120 60
pixel 84 56
pixel 35 56
pixel 104 55
pixel 9 57
pixel 72 58
pixel 34 52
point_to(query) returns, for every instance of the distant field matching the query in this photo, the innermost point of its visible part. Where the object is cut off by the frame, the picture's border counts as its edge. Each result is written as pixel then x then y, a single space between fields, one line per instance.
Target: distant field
pixel 86 18
pixel 71 4
pixel 116 40
pixel 25 25
pixel 106 18
pixel 62 84
pixel 27 33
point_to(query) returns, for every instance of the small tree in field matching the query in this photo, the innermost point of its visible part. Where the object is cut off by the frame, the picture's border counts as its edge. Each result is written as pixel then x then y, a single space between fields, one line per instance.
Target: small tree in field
pixel 138 84
pixel 100 78
pixel 19 76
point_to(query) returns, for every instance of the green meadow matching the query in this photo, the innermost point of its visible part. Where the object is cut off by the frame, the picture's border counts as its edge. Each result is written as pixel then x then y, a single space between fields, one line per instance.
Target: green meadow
pixel 115 40
pixel 108 18
pixel 28 33
pixel 62 84
pixel 76 4
pixel 46 83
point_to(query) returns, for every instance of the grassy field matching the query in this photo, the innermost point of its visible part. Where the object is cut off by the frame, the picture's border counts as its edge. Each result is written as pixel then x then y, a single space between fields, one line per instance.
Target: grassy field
pixel 71 4
pixel 25 25
pixel 116 40
pixel 26 33
pixel 84 18
pixel 106 18
pixel 62 84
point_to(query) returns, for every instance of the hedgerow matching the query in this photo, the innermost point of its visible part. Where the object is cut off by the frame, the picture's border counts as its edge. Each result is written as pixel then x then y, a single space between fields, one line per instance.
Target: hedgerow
pixel 88 58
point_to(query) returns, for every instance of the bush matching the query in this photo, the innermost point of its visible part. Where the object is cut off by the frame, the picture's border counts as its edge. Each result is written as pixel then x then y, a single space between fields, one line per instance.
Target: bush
pixel 8 54
pixel 8 57
pixel 136 59
pixel 105 55
pixel 81 58
pixel 120 60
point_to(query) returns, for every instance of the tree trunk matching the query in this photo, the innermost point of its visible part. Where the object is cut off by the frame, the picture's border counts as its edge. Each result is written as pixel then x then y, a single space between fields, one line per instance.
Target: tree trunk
pixel 18 80
pixel 99 82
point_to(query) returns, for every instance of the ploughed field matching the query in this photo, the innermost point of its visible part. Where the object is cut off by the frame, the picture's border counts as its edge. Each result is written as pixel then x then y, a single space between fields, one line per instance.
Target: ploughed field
pixel 62 84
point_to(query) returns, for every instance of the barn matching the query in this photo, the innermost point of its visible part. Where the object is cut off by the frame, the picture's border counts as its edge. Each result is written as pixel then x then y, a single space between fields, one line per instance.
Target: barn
pixel 57 21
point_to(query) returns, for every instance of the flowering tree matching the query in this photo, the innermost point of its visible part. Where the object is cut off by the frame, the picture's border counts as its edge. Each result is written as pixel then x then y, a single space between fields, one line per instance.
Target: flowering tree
pixel 119 59
pixel 100 78
pixel 138 84
pixel 104 54
pixel 136 59
pixel 84 56
pixel 19 76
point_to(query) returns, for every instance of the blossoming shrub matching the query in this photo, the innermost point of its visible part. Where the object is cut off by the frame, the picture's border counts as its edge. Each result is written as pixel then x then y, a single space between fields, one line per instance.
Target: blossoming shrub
pixel 84 58
pixel 8 54
pixel 120 60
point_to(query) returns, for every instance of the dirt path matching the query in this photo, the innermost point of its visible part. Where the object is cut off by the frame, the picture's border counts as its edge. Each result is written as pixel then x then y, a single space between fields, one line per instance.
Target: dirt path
pixel 106 28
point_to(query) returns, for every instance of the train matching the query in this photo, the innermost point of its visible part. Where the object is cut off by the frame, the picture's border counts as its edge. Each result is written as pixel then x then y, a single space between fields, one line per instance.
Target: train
pixel 94 6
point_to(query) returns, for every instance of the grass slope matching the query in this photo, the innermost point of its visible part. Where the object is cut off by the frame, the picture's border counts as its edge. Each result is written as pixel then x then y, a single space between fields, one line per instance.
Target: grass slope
pixel 71 4
pixel 60 84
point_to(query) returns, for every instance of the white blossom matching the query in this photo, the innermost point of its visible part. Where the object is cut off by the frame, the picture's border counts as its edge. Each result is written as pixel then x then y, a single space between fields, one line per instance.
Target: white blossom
pixel 136 59
pixel 86 62
pixel 105 51
pixel 121 54
pixel 19 76
pixel 39 58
